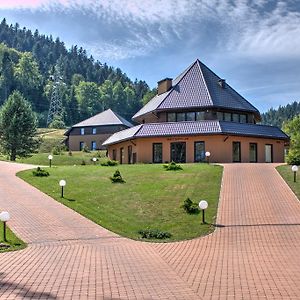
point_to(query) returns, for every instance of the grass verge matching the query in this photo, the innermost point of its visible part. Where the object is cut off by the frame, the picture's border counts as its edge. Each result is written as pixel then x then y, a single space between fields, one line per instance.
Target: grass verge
pixel 13 242
pixel 77 158
pixel 287 174
pixel 151 198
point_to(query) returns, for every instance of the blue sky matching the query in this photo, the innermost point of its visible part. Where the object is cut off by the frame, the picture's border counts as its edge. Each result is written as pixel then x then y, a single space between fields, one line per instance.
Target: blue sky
pixel 254 45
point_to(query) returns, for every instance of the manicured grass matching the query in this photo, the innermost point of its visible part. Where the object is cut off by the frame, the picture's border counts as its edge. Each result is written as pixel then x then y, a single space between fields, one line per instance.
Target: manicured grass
pixel 76 158
pixel 13 241
pixel 150 198
pixel 288 176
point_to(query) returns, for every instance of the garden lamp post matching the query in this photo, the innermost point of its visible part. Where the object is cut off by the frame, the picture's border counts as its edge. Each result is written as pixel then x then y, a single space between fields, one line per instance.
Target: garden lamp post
pixel 62 183
pixel 207 155
pixel 203 206
pixel 4 217
pixel 295 170
pixel 50 157
pixel 94 160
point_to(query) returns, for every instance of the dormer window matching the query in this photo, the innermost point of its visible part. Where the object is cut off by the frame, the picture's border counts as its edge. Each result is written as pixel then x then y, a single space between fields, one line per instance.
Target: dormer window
pixel 81 131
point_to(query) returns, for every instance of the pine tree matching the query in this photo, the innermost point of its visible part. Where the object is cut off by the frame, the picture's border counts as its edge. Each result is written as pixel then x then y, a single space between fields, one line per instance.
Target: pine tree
pixel 17 127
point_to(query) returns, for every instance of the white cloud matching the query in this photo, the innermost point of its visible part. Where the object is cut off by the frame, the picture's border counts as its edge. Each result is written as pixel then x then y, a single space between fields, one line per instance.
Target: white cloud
pixel 258 28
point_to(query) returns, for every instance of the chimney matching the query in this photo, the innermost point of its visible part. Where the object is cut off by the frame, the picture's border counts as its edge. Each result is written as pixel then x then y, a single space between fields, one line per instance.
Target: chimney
pixel 222 83
pixel 164 85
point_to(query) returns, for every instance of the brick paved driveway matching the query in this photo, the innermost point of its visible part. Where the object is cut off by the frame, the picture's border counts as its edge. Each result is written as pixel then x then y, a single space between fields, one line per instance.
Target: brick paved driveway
pixel 253 254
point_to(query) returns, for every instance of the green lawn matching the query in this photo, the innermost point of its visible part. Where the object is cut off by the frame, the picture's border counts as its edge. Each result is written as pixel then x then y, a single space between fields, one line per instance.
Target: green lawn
pixel 150 198
pixel 13 241
pixel 288 176
pixel 76 158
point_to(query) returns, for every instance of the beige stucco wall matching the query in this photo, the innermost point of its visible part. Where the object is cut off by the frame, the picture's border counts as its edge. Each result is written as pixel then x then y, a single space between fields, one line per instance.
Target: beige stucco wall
pixel 220 147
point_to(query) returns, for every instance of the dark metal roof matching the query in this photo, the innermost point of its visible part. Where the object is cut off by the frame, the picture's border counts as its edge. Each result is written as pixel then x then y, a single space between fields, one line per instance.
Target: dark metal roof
pixel 196 128
pixel 107 117
pixel 197 87
pixel 252 130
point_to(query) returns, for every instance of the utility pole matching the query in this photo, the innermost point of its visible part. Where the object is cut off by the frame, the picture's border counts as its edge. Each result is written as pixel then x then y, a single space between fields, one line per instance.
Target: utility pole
pixel 56 107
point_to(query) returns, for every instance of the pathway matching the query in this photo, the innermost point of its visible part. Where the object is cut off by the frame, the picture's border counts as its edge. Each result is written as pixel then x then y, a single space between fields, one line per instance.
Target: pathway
pixel 253 254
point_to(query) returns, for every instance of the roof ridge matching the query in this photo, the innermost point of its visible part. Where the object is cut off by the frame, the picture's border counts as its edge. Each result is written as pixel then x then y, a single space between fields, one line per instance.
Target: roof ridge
pixel 227 85
pixel 173 87
pixel 199 65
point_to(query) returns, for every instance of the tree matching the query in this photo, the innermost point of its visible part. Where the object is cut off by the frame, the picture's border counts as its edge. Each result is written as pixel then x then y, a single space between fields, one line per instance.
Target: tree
pixel 88 97
pixel 28 77
pixel 17 127
pixel 292 128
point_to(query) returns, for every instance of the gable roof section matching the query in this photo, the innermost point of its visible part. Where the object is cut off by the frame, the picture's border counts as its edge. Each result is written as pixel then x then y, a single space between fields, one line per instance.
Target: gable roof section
pixel 107 117
pixel 122 135
pixel 197 87
pixel 196 128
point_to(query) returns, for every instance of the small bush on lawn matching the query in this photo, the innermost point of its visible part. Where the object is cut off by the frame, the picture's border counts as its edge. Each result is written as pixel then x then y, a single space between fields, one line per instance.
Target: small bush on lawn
pixel 172 166
pixel 83 163
pixel 40 172
pixel 154 234
pixel 109 163
pixel 190 207
pixel 117 177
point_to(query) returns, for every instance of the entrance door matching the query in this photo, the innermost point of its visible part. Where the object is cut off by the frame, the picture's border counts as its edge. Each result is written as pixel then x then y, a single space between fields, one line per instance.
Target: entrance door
pixel 268 153
pixel 236 151
pixel 178 152
pixel 199 151
pixel 253 152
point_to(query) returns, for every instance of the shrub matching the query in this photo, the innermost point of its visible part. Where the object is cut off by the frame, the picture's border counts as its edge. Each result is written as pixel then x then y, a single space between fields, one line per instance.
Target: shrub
pixel 83 163
pixel 293 157
pixel 70 153
pixel 117 177
pixel 40 172
pixel 86 149
pixel 58 149
pixel 190 207
pixel 154 234
pixel 172 166
pixel 109 163
pixel 57 123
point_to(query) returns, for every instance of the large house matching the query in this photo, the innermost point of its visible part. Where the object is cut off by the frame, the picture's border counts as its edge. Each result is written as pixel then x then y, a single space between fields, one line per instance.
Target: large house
pixel 93 131
pixel 198 112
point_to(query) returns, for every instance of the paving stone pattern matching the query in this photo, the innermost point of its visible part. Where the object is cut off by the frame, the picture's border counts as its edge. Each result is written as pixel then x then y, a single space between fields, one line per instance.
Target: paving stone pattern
pixel 253 254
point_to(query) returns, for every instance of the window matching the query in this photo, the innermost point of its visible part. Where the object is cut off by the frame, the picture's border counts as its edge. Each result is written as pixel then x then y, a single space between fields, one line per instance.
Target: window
pixel 121 155
pixel 171 117
pixel 157 153
pixel 94 130
pixel 253 152
pixel 243 118
pixel 114 154
pixel 82 131
pixel 199 151
pixel 130 154
pixel 236 151
pixel 227 117
pixel 235 118
pixel 94 146
pixel 81 146
pixel 200 115
pixel 190 116
pixel 180 117
pixel 220 116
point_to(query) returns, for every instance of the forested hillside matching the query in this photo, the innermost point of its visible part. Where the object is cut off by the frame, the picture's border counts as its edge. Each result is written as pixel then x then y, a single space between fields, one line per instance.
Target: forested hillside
pixel 29 60
pixel 276 117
